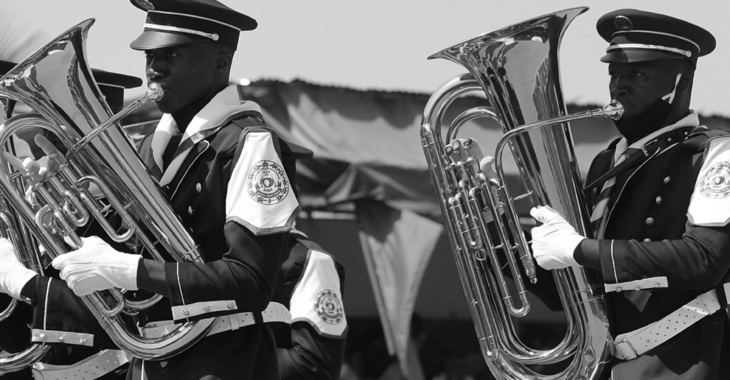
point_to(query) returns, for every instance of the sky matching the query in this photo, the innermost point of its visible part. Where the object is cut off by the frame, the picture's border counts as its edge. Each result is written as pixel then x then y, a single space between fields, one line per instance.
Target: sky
pixel 377 44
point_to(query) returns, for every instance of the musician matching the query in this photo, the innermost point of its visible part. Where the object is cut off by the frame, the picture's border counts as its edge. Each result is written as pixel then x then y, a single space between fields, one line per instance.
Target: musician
pixel 311 284
pixel 229 177
pixel 80 347
pixel 660 214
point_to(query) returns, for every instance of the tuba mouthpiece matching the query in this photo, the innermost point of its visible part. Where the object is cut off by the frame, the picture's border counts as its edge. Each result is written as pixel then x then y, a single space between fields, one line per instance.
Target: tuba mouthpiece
pixel 155 91
pixel 614 110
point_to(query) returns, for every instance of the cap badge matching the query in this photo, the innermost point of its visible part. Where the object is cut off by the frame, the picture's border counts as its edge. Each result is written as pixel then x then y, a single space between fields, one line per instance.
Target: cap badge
pixel 145 4
pixel 623 23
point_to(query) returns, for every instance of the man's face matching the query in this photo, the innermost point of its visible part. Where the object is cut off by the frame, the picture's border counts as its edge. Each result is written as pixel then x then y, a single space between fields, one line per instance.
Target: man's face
pixel 185 72
pixel 637 85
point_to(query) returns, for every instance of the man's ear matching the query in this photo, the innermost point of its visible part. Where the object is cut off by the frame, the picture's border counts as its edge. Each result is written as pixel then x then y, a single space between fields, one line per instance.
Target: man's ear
pixel 223 61
pixel 685 83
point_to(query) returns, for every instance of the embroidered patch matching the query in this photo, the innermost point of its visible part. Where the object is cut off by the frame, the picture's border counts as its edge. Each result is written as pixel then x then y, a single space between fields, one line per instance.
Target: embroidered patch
pixel 716 183
pixel 268 183
pixel 328 307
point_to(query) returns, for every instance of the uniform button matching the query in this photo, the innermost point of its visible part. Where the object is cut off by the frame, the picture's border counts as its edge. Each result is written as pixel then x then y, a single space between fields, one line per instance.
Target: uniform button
pixel 619 289
pixel 657 285
pixel 198 187
pixel 186 312
pixel 667 179
pixel 649 221
pixel 637 288
pixel 60 338
pixel 42 337
pixel 647 240
pixel 206 309
pixel 658 200
pixel 190 210
pixel 230 306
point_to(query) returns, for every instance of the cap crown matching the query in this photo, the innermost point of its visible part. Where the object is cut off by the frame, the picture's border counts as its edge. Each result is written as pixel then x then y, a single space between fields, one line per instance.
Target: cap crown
pixel 638 36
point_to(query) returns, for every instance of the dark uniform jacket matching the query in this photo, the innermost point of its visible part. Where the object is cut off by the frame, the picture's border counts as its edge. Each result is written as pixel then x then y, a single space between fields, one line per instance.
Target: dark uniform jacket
pixel 654 241
pixel 305 351
pixel 240 269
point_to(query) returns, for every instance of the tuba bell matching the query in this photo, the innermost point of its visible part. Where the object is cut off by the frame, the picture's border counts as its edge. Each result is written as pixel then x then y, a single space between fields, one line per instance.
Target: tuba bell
pixel 57 84
pixel 516 68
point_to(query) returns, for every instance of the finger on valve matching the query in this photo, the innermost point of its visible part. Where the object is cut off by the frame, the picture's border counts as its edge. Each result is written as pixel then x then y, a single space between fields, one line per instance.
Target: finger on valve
pixel 487 166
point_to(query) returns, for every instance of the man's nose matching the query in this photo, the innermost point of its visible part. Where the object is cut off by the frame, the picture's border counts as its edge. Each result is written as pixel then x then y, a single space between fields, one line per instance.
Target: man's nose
pixel 153 73
pixel 619 87
pixel 155 69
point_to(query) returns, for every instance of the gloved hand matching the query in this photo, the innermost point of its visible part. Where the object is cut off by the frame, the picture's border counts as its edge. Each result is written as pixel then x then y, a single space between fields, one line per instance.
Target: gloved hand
pixel 97 266
pixel 13 274
pixel 554 242
pixel 487 166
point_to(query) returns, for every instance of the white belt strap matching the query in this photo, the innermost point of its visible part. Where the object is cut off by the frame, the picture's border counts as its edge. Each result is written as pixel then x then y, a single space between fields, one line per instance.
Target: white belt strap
pixel 632 344
pixel 92 367
pixel 275 312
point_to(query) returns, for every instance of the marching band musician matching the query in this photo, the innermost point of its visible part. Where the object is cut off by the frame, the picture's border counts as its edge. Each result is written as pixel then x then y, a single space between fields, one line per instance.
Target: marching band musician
pixel 311 286
pixel 660 198
pixel 80 347
pixel 231 180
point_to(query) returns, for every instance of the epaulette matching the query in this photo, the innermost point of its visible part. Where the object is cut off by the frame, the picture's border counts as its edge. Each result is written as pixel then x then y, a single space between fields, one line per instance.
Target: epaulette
pixel 698 138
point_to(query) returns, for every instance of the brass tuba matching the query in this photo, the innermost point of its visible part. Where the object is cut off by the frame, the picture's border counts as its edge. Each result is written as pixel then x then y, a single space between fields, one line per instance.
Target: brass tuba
pixel 516 68
pixel 57 84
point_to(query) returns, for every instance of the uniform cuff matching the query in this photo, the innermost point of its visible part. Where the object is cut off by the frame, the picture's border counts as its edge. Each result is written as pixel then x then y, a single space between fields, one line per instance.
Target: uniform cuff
pixel 587 254
pixel 30 291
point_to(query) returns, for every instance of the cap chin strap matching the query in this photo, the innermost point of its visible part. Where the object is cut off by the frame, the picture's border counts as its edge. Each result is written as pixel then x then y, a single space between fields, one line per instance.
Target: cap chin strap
pixel 669 98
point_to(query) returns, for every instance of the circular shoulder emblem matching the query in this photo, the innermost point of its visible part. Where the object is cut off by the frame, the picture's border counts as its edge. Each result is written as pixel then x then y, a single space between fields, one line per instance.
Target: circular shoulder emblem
pixel 329 307
pixel 716 183
pixel 268 183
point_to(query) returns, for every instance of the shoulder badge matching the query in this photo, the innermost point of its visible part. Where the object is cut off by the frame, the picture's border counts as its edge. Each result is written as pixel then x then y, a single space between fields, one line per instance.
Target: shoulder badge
pixel 267 183
pixel 329 307
pixel 710 202
pixel 716 182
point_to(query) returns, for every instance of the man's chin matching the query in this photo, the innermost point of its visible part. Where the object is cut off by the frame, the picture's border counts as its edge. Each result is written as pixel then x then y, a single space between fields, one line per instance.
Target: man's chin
pixel 166 107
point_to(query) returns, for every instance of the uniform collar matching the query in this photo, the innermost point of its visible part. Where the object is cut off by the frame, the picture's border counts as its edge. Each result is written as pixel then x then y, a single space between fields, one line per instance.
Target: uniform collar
pixel 691 120
pixel 226 105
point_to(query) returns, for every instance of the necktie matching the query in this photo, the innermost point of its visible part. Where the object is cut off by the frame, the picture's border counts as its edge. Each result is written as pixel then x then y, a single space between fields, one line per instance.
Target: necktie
pixel 600 209
pixel 170 150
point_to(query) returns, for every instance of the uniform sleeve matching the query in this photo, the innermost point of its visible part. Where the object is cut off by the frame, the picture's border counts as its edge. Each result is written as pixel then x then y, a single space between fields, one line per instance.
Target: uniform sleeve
pixel 14 331
pixel 701 258
pixel 319 324
pixel 311 356
pixel 59 316
pixel 243 280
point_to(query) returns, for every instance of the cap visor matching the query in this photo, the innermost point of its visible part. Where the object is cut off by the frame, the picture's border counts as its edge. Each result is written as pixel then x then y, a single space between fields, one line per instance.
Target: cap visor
pixel 103 77
pixel 154 39
pixel 633 56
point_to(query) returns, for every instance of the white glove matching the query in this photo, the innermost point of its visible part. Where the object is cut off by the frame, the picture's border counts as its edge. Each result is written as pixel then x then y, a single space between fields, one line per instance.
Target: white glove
pixel 97 266
pixel 13 274
pixel 554 242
